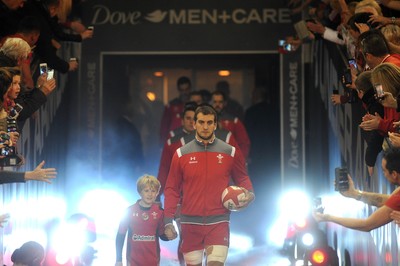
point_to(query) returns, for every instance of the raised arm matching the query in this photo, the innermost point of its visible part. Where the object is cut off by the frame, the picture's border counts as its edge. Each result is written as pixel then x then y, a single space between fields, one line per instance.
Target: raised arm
pixel 370 198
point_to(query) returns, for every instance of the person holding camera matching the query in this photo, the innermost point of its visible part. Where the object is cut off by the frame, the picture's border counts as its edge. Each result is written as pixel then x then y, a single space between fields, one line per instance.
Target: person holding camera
pixel 386 203
pixel 9 112
pixel 13 52
pixel 385 77
pixel 366 92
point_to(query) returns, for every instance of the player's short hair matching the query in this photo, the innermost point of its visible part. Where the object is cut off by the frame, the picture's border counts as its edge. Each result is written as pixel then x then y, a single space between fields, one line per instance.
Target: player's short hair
pixel 219 93
pixel 223 86
pixel 189 106
pixel 183 80
pixel 148 180
pixel 205 109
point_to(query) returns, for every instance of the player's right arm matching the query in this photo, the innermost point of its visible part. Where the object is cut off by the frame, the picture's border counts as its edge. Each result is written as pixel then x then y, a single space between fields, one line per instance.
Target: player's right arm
pixel 172 190
pixel 163 170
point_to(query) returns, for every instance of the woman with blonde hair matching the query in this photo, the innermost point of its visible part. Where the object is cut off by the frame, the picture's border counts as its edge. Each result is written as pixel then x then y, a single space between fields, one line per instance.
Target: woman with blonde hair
pixel 392 34
pixel 387 76
pixel 369 6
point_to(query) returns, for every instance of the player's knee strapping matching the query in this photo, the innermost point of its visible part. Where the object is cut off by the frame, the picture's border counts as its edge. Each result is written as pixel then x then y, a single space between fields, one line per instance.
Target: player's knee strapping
pixel 217 253
pixel 193 257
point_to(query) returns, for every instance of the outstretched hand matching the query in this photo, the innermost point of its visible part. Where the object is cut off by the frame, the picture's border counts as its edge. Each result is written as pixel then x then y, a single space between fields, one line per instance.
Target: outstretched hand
pixel 41 174
pixel 319 216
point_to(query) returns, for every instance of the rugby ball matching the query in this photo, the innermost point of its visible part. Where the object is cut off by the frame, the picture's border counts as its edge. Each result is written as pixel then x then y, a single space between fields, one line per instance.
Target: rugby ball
pixel 231 196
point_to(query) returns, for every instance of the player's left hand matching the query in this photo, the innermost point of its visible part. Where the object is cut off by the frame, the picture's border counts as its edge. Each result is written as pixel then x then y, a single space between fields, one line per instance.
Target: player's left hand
pixel 249 197
pixel 170 232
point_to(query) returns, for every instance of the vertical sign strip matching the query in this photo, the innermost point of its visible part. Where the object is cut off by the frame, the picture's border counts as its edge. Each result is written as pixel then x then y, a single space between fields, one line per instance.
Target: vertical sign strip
pixel 292 120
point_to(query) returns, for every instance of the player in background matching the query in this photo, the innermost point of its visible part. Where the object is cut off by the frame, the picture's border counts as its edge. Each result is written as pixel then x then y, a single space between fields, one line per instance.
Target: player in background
pixel 231 123
pixel 143 221
pixel 171 117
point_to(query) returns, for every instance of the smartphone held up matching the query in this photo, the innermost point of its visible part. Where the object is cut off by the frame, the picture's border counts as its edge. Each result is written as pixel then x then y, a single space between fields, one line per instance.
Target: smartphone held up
pixel 353 63
pixel 379 91
pixel 43 68
pixel 285 47
pixel 341 179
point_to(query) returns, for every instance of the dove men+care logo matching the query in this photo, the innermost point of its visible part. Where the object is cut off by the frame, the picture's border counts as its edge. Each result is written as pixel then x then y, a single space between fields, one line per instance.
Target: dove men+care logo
pixel 106 15
pixel 294 114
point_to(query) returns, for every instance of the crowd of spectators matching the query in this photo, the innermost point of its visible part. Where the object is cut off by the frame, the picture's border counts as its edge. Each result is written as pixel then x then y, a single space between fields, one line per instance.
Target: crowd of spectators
pixel 31 34
pixel 368 32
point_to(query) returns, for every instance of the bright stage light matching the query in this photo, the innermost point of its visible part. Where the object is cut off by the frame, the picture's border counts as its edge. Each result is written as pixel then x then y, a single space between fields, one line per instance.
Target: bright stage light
pixel 308 239
pixel 106 207
pixel 41 209
pixel 240 243
pixel 68 241
pixel 278 232
pixel 318 257
pixel 294 205
pixel 341 206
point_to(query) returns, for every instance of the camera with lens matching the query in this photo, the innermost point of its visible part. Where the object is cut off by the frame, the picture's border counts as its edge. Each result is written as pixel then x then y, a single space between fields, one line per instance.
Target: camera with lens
pixel 7 151
pixel 341 179
pixel 11 157
pixel 4 141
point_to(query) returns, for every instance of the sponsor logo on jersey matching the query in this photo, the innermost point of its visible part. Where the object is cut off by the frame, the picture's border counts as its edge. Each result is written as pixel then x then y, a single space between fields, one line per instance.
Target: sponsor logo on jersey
pixel 154 214
pixel 193 160
pixel 136 237
pixel 220 157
